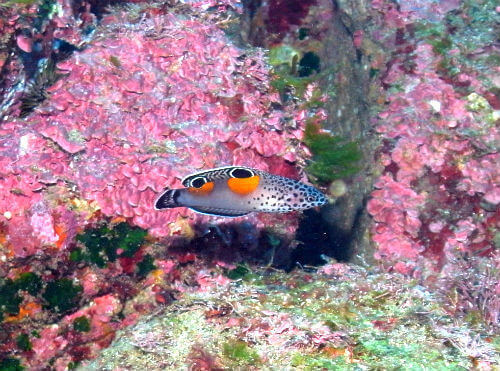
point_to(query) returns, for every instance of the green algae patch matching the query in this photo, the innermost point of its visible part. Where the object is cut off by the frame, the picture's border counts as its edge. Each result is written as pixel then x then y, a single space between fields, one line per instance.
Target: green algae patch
pixel 62 295
pixel 81 324
pixel 240 272
pixel 104 244
pixel 282 82
pixel 10 364
pixel 240 353
pixel 318 362
pixel 29 282
pixel 9 298
pixel 23 342
pixel 332 157
pixel 145 266
pixel 10 292
pixel 283 55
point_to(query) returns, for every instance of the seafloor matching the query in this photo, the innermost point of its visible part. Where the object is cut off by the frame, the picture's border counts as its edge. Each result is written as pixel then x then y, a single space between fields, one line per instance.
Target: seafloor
pixel 390 108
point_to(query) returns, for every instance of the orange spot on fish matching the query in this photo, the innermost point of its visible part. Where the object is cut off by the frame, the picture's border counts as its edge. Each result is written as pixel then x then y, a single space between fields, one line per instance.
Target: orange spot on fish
pixel 243 186
pixel 203 190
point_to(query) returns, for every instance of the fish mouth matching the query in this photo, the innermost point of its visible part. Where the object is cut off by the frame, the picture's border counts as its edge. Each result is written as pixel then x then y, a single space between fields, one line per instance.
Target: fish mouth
pixel 167 200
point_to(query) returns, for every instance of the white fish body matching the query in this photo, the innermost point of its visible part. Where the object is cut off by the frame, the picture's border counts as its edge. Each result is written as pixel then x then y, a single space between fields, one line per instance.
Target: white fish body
pixel 236 191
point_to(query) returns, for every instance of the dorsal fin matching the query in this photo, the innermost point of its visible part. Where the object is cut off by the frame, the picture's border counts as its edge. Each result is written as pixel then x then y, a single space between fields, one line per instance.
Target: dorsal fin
pixel 217 173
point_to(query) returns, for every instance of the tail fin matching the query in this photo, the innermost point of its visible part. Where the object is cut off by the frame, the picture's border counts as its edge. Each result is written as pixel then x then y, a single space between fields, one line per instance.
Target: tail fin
pixel 167 200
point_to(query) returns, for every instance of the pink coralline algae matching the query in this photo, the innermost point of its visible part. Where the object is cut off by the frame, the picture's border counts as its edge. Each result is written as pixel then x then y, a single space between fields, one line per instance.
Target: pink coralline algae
pixel 280 329
pixel 132 116
pixel 482 177
pixel 206 281
pixel 395 209
pixel 148 113
pixel 43 228
pixel 439 188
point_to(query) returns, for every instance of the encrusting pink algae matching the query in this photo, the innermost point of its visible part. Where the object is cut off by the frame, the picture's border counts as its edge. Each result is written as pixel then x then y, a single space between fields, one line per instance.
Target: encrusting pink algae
pixel 104 105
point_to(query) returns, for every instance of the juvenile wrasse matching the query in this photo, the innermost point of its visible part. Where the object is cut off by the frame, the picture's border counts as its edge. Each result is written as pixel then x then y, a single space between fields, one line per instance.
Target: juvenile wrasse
pixel 236 191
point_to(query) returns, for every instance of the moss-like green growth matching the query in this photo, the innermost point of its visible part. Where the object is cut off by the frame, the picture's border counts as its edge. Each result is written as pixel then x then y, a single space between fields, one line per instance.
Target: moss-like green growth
pixel 76 255
pixel 10 364
pixel 239 352
pixel 81 324
pixel 145 266
pixel 380 352
pixel 102 244
pixel 62 295
pixel 9 298
pixel 333 157
pixel 377 320
pixel 29 282
pixel 281 82
pixel 23 342
pixel 15 3
pixel 318 362
pixel 441 46
pixel 237 273
pixel 283 54
pixel 9 292
pixel 73 365
pixel 290 77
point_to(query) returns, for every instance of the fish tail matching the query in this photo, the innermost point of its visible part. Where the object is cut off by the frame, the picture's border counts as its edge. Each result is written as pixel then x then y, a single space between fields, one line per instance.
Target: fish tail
pixel 167 200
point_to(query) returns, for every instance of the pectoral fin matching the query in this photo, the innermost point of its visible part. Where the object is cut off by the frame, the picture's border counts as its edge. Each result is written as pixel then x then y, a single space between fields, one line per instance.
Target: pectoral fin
pixel 218 212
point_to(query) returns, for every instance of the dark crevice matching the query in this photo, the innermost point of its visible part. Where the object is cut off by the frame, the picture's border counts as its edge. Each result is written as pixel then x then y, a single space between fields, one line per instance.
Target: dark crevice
pixel 319 239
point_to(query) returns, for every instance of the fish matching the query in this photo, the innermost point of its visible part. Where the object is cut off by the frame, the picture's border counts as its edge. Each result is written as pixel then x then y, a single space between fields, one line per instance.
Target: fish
pixel 234 191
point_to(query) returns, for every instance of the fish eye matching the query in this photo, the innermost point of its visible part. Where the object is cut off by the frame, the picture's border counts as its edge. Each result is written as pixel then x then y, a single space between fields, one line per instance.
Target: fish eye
pixel 198 182
pixel 241 173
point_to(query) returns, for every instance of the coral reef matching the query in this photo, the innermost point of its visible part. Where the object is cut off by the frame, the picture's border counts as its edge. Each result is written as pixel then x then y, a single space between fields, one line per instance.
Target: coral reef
pixel 439 153
pixel 104 104
pixel 341 317
pixel 437 201
pixel 124 118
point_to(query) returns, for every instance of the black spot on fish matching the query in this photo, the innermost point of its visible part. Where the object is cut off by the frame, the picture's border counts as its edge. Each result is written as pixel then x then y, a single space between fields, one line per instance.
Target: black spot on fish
pixel 198 182
pixel 241 173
